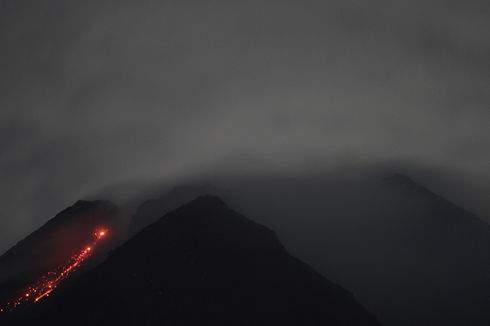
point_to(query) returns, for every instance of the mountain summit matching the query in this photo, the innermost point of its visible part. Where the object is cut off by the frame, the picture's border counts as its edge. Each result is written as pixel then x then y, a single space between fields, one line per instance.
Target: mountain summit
pixel 204 264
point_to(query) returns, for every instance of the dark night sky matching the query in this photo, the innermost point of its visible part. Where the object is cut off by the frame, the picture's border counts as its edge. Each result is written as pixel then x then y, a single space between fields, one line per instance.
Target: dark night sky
pixel 98 92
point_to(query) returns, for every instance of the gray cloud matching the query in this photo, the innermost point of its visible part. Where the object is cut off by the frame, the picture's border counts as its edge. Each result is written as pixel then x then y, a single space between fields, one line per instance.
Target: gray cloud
pixel 98 92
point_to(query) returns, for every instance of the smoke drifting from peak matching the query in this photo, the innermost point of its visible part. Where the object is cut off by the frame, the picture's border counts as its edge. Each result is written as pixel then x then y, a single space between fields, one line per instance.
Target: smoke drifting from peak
pixel 98 92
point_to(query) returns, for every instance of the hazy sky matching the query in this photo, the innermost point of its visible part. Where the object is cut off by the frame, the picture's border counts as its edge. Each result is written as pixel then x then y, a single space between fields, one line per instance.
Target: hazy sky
pixel 97 92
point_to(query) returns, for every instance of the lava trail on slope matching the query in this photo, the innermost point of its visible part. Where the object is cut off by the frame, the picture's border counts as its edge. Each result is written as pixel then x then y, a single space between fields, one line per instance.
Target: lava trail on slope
pixel 51 280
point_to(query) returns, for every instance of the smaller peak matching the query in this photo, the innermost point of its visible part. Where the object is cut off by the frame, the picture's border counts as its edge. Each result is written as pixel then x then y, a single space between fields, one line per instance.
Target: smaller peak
pixel 206 205
pixel 82 203
pixel 402 181
pixel 96 203
pixel 399 178
pixel 208 201
pixel 87 205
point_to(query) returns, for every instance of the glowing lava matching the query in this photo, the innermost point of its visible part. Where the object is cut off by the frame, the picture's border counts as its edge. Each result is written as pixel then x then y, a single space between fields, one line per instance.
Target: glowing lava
pixel 49 282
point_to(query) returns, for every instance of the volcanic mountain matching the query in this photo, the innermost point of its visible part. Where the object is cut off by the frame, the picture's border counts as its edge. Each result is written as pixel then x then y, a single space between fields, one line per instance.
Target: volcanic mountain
pixel 429 257
pixel 203 264
pixel 43 254
pixel 411 256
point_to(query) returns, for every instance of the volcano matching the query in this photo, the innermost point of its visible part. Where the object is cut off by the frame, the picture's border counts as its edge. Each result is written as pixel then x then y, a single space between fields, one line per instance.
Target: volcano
pixel 202 264
pixel 410 255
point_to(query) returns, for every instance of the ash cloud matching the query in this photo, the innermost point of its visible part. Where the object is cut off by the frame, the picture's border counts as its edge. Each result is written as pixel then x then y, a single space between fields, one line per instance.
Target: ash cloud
pixel 94 93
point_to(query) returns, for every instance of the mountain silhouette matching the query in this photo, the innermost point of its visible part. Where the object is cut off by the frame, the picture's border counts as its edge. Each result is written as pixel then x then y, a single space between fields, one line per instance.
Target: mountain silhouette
pixel 411 256
pixel 203 264
pixel 437 253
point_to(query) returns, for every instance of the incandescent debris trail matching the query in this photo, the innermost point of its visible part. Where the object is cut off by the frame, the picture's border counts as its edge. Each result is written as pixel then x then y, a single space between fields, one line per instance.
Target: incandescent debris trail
pixel 50 281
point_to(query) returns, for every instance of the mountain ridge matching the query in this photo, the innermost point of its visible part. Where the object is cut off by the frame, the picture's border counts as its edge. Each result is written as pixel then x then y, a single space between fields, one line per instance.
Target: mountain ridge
pixel 205 264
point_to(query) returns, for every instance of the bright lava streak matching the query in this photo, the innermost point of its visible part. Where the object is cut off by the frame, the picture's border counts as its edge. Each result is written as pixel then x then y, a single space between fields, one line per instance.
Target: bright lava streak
pixel 49 282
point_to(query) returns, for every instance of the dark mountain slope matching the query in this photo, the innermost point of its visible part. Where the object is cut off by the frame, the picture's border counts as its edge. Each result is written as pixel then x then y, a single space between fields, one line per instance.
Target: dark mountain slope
pixel 429 254
pixel 204 264
pixel 53 244
pixel 410 256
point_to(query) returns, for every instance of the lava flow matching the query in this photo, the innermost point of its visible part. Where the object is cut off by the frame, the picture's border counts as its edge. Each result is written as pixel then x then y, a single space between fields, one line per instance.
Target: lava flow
pixel 49 282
